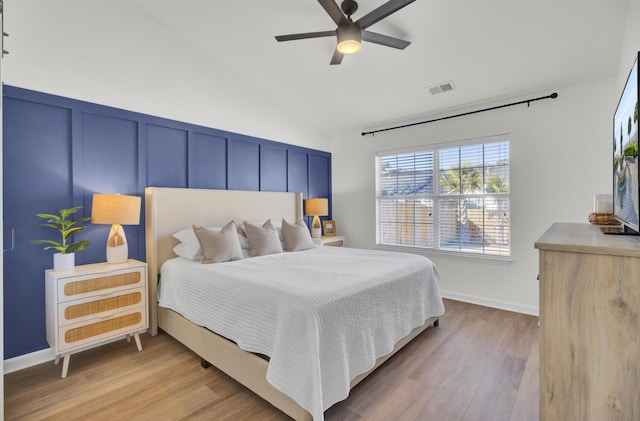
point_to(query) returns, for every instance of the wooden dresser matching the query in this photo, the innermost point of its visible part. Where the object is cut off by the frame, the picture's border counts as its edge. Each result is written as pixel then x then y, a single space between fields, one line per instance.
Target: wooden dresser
pixel 589 324
pixel 94 303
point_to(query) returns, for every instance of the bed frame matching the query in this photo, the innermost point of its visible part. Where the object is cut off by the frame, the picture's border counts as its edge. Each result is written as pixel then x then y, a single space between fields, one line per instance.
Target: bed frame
pixel 168 210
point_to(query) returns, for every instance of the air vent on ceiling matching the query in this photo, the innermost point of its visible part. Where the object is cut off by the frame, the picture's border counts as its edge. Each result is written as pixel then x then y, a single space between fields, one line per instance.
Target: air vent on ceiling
pixel 441 87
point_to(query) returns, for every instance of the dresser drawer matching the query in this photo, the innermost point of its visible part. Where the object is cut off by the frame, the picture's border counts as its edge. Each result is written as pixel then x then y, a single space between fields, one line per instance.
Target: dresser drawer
pixel 91 285
pixel 77 311
pixel 107 326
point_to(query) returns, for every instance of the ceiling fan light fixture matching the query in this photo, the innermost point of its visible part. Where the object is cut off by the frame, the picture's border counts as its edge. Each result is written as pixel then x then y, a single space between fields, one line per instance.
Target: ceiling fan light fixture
pixel 349 38
pixel 349 46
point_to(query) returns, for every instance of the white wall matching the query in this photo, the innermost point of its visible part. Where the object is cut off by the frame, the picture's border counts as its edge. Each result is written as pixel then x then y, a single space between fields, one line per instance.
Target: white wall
pixel 630 43
pixel 112 53
pixel 560 156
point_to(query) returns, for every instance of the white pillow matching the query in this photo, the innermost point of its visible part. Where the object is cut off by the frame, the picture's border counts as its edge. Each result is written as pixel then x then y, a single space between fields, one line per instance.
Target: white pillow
pixel 189 246
pixel 219 245
pixel 296 236
pixel 181 250
pixel 262 240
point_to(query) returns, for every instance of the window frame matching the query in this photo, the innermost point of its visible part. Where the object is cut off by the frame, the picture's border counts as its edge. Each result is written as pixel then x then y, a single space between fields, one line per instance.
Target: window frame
pixel 437 196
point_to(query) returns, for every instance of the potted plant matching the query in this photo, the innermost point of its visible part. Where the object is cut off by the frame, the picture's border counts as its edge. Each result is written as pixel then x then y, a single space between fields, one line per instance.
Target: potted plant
pixel 65 259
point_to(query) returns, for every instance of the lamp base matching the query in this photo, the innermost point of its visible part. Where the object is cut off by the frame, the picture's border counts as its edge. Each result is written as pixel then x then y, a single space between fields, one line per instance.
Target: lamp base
pixel 117 249
pixel 316 228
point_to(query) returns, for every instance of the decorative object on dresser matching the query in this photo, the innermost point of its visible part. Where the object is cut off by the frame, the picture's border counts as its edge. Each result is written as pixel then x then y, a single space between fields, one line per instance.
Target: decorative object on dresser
pixel 65 259
pixel 93 304
pixel 116 210
pixel 334 241
pixel 316 207
pixel 589 324
pixel 602 219
pixel 603 210
pixel 329 228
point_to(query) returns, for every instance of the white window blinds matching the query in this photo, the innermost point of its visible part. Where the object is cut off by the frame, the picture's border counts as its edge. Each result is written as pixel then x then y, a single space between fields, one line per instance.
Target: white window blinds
pixel 453 198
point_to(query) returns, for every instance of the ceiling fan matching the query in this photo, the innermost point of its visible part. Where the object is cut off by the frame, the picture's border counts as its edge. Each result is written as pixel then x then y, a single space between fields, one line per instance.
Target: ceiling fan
pixel 349 33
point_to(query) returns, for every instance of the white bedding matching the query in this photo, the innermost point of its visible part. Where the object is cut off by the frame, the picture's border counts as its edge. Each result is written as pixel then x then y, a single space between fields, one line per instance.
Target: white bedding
pixel 323 316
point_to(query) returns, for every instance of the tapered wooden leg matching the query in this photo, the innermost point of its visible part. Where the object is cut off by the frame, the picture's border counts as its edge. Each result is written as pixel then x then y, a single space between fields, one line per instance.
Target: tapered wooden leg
pixel 128 336
pixel 138 343
pixel 65 365
pixel 57 361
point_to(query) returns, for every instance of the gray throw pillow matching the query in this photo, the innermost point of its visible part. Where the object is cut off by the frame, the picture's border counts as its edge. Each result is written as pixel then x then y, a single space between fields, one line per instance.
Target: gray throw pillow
pixel 262 240
pixel 296 236
pixel 219 246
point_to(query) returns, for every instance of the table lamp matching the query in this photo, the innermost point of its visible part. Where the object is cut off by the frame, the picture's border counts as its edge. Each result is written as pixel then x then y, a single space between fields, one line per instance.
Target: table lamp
pixel 316 207
pixel 117 210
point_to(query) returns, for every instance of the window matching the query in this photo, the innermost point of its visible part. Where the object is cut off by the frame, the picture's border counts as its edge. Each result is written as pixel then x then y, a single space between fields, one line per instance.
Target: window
pixel 450 198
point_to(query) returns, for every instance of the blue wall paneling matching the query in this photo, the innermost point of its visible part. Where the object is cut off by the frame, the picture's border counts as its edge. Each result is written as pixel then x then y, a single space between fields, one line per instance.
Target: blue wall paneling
pixel 207 162
pixel 58 151
pixel 244 158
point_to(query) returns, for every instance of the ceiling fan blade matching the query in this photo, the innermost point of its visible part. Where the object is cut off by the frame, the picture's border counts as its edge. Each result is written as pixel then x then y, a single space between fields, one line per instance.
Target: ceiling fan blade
pixel 385 40
pixel 293 37
pixel 334 11
pixel 337 57
pixel 382 12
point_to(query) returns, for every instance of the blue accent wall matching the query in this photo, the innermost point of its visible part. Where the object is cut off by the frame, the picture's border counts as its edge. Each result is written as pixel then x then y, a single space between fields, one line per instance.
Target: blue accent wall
pixel 58 151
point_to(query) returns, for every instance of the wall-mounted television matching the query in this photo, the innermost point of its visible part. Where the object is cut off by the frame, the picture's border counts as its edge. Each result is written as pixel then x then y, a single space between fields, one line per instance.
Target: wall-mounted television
pixel 626 191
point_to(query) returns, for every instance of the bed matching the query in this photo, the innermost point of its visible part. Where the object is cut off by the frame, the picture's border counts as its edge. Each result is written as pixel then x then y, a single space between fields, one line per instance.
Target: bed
pixel 303 396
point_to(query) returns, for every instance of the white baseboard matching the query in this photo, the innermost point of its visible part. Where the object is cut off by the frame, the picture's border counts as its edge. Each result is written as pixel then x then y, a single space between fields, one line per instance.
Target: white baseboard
pixel 28 360
pixel 38 357
pixel 502 305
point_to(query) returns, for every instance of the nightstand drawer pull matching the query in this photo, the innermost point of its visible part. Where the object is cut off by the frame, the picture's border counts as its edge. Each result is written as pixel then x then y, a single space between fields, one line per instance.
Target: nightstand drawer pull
pixel 95 329
pixel 100 306
pixel 98 284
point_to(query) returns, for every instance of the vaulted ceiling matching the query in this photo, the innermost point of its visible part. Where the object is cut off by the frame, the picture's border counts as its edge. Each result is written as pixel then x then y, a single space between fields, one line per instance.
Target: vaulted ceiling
pixel 489 49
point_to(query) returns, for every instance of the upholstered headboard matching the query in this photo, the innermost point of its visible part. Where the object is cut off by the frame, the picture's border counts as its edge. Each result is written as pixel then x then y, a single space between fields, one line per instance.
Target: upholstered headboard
pixel 168 210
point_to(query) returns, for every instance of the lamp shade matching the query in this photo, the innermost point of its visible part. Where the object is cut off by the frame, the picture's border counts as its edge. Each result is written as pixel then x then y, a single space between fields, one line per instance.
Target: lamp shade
pixel 115 209
pixel 315 206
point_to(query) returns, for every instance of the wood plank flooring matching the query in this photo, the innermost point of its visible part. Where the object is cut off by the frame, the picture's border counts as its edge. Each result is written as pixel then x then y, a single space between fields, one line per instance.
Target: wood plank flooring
pixel 479 364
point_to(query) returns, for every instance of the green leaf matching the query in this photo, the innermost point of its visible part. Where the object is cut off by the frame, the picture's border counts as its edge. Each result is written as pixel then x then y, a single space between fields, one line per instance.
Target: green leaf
pixel 80 245
pixel 55 243
pixel 48 216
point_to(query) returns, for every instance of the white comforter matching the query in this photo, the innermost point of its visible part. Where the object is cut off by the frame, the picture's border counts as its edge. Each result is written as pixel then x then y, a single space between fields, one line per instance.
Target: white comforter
pixel 323 316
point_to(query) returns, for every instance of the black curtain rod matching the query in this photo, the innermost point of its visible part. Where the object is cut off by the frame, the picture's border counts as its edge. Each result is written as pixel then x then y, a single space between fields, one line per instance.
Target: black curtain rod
pixel 526 101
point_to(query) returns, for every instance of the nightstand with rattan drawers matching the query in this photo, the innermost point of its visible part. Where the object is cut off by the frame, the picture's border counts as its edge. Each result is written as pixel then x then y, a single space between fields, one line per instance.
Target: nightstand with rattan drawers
pixel 95 303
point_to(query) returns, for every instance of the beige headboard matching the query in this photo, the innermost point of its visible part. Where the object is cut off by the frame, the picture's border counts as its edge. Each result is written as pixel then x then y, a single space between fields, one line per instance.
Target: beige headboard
pixel 168 210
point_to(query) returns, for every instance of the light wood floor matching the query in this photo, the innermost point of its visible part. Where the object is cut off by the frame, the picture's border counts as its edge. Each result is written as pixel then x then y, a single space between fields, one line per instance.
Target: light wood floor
pixel 479 364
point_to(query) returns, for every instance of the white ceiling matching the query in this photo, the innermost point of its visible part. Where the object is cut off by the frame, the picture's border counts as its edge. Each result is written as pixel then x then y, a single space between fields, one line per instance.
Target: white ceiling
pixel 490 49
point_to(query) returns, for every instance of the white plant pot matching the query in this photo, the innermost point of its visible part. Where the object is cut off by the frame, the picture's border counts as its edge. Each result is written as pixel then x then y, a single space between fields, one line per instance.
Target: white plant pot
pixel 64 261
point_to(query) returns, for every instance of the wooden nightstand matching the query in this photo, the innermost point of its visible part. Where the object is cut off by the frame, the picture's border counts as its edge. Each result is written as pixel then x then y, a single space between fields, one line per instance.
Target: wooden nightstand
pixel 94 303
pixel 335 241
